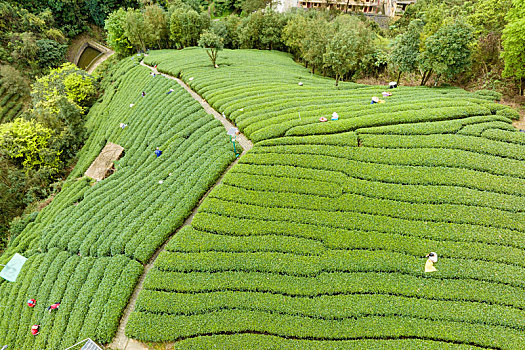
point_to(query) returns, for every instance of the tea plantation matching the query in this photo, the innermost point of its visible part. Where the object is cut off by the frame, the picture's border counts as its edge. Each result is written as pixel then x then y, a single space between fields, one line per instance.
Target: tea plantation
pixel 317 238
pixel 87 248
pixel 11 104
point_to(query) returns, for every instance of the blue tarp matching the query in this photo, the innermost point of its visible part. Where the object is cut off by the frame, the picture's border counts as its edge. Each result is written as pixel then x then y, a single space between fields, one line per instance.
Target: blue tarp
pixel 12 268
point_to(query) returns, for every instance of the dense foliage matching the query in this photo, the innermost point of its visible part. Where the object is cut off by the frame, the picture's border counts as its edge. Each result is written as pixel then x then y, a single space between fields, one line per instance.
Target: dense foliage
pixel 317 237
pixel 28 41
pixel 36 149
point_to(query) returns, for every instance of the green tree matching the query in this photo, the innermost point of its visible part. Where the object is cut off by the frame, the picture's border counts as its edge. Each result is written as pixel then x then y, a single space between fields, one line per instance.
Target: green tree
pixel 50 53
pixel 271 33
pixel 294 33
pixel 59 102
pixel 213 44
pixel 250 31
pixel 447 52
pixel 116 37
pixel 230 33
pixel 514 44
pixel 27 144
pixel 176 20
pixel 135 29
pixel 249 6
pixel 156 22
pixel 79 89
pixel 67 80
pixel 25 47
pixel 347 47
pixel 186 26
pixel 405 50
pixel 488 16
pixel 315 41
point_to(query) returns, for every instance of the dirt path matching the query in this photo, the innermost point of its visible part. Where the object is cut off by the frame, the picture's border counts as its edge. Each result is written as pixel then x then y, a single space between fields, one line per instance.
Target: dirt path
pixel 245 143
pixel 121 341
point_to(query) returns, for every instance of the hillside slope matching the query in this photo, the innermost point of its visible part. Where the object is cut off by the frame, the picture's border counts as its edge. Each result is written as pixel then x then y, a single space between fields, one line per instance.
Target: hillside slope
pixel 317 238
pixel 87 248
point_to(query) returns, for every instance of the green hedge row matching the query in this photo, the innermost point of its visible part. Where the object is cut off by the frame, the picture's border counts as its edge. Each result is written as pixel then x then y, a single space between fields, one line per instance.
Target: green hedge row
pixel 462 142
pixel 338 261
pixel 292 193
pixel 331 307
pixel 505 136
pixel 366 222
pixel 91 294
pixel 376 188
pixel 267 342
pixel 420 157
pixel 429 128
pixel 169 328
pixel 397 174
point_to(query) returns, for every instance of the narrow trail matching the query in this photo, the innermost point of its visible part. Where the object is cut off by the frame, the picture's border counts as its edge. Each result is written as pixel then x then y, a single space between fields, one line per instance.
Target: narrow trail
pixel 121 341
pixel 245 143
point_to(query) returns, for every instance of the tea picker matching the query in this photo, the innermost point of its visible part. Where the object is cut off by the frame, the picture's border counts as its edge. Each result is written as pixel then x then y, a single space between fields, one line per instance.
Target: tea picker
pixel 429 265
pixel 53 307
pixel 233 132
pixel 158 152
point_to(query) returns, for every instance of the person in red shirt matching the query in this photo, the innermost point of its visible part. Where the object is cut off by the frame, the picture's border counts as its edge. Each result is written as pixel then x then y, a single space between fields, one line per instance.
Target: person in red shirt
pixel 31 302
pixel 53 307
pixel 35 329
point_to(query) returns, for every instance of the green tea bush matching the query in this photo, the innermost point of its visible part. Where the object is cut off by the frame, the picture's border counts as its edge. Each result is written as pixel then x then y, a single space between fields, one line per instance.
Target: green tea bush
pixel 87 248
pixel 317 237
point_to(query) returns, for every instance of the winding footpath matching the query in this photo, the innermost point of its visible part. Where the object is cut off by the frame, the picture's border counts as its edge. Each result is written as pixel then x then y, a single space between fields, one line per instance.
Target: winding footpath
pixel 121 341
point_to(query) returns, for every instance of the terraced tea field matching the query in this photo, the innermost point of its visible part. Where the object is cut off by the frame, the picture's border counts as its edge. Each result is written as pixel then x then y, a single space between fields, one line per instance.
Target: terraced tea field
pixel 11 104
pixel 87 248
pixel 317 237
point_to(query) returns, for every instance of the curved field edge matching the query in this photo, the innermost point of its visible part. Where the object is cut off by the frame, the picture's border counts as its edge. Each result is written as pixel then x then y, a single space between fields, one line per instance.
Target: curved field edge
pixel 87 248
pixel 264 341
pixel 345 211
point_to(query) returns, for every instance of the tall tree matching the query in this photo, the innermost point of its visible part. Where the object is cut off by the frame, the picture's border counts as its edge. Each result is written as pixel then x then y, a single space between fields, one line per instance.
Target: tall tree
pixel 251 31
pixel 156 22
pixel 271 32
pixel 405 49
pixel 294 33
pixel 447 52
pixel 213 44
pixel 115 27
pixel 315 42
pixel 514 44
pixel 347 47
pixel 135 29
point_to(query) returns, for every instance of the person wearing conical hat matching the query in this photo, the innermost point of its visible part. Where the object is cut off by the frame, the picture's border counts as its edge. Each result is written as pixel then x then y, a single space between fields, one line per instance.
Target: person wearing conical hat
pixel 429 265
